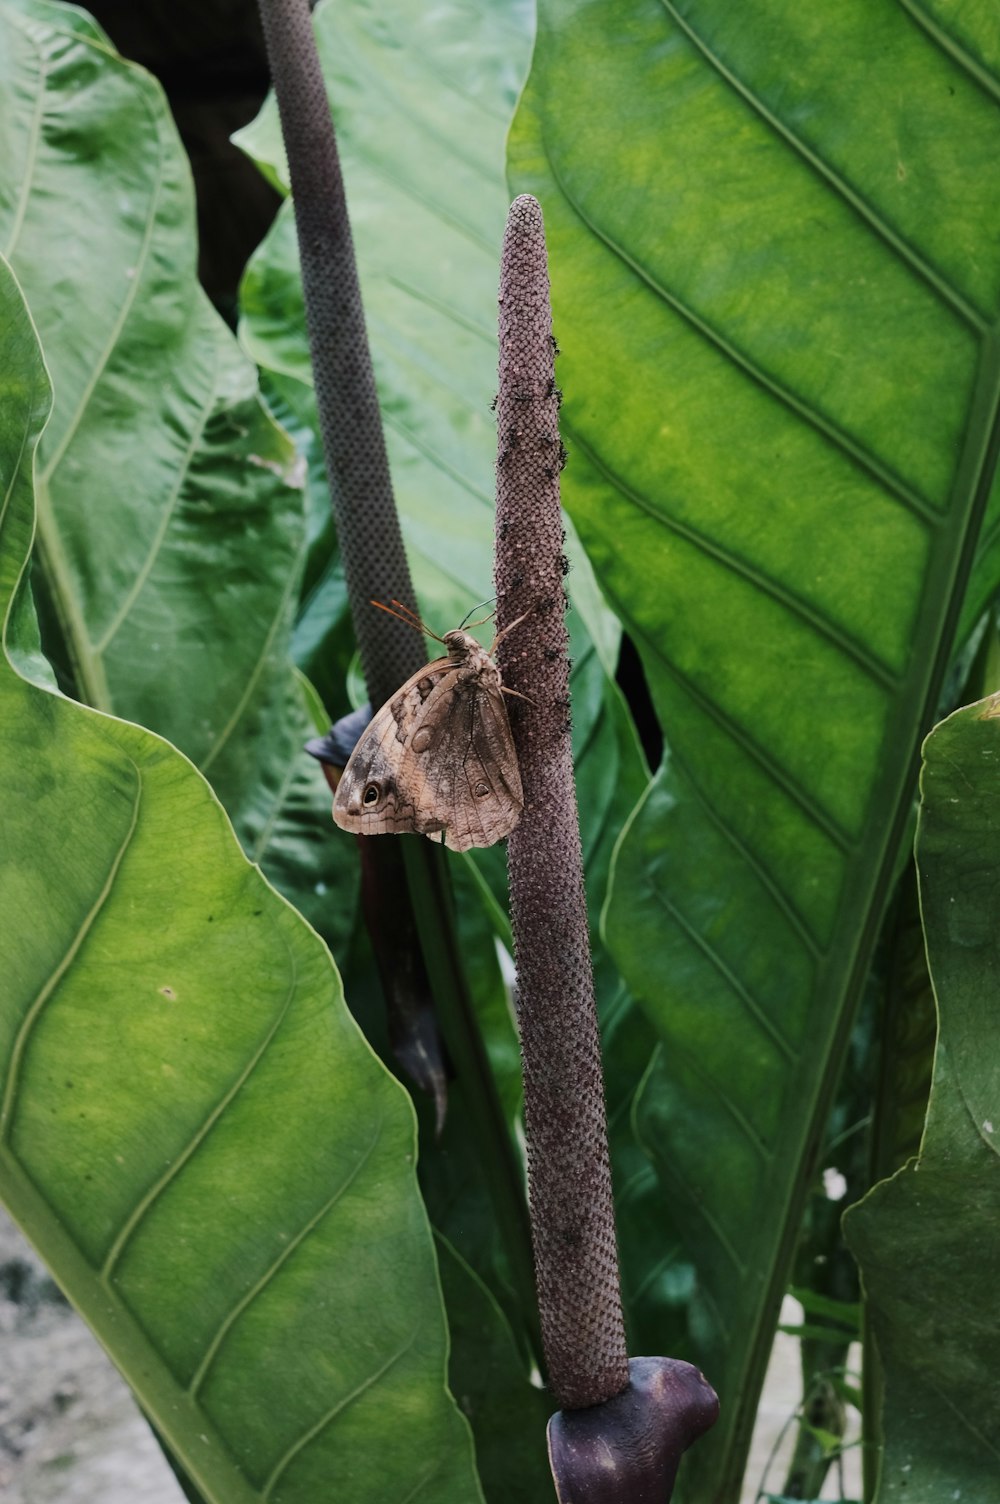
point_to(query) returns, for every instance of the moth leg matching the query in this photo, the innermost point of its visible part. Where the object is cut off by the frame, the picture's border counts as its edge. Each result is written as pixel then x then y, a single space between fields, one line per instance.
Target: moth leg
pixel 508 629
pixel 517 694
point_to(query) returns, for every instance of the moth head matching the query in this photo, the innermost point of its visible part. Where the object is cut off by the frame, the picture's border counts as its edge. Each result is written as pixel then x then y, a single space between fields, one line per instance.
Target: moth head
pixel 461 645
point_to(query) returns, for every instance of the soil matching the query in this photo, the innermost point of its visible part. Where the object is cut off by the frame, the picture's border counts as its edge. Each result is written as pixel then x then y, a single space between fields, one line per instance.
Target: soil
pixel 70 1431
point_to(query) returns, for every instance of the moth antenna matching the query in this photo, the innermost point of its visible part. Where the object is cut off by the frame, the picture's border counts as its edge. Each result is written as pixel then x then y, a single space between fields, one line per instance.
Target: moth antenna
pixel 410 619
pixel 507 629
pixel 485 619
pixel 406 610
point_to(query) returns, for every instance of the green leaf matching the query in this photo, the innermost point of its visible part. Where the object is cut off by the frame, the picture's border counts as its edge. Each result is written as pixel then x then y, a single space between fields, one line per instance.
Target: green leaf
pixel 323 638
pixel 846 1313
pixel 170 505
pixel 508 1415
pixel 775 275
pixel 813 1332
pixel 783 1499
pixel 926 1239
pixel 193 1132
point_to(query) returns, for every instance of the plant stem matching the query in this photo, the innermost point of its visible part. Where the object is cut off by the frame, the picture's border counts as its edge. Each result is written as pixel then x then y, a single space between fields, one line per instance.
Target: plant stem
pixel 569 1171
pixel 364 508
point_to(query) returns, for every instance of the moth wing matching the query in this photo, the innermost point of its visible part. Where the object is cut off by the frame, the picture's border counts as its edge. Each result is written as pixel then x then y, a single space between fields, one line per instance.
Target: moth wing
pixel 438 759
pixel 478 783
pixel 382 764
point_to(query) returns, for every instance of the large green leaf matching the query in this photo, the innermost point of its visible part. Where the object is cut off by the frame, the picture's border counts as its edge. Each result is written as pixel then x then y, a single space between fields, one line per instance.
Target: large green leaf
pixel 193 1132
pixel 776 267
pixel 170 506
pixel 927 1239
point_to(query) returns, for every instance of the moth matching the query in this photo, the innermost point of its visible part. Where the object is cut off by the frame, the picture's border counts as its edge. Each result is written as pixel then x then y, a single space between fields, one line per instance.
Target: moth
pixel 438 758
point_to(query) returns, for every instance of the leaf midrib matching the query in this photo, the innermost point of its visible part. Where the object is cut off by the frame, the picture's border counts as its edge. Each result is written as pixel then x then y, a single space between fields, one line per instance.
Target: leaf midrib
pixel 34 135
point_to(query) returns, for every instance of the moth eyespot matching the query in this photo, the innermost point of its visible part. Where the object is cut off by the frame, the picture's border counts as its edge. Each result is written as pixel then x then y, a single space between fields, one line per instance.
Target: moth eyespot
pixel 482 789
pixel 370 795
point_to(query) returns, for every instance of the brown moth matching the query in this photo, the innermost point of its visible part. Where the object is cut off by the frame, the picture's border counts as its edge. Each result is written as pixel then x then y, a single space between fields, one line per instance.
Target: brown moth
pixel 438 758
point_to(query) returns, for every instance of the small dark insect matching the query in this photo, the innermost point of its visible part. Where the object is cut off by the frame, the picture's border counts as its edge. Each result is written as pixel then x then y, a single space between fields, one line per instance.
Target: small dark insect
pixel 550 654
pixel 517 579
pixel 555 345
pixel 563 455
pixel 564 565
pixel 494 401
pixel 503 529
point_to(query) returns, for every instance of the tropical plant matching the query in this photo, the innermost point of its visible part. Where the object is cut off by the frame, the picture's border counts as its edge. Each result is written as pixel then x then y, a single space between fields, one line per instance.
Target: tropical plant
pixel 776 277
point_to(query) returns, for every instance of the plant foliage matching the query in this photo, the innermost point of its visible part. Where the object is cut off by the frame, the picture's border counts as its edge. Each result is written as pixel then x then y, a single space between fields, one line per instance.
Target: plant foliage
pixel 776 275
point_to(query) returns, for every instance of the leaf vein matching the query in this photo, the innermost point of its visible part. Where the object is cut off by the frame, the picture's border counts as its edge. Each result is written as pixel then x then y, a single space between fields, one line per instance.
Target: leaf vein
pixel 269 1274
pixel 277 621
pixel 460 320
pixel 176 1165
pixel 104 356
pixel 963 1418
pixel 822 625
pixel 21 1039
pixel 866 211
pixel 734 983
pixel 169 508
pixel 436 460
pixel 953 49
pixel 266 831
pixel 753 861
pixel 700 1207
pixel 676 1046
pixel 866 461
pixel 325 1420
pixel 34 138
pixel 758 754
